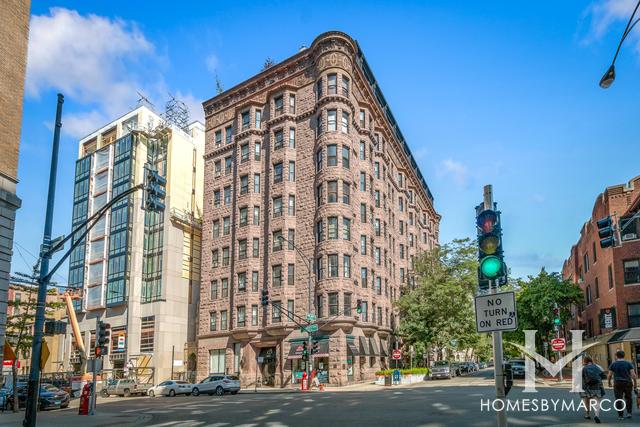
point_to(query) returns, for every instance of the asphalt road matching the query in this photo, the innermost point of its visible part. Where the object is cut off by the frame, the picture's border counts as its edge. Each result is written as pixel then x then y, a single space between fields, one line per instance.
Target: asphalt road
pixel 437 403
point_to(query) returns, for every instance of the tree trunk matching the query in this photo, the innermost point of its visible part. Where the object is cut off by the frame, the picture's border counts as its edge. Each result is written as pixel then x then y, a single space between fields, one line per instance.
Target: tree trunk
pixel 14 370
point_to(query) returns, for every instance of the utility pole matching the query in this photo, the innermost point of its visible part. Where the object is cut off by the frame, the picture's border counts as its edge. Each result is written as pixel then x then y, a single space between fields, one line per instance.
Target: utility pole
pixel 33 388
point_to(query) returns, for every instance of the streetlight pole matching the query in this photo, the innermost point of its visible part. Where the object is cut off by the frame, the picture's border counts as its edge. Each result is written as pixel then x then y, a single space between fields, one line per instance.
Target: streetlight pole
pixel 607 80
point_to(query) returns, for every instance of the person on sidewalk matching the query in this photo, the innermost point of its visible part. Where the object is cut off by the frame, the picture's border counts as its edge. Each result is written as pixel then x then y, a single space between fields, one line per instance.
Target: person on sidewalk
pixel 592 376
pixel 625 381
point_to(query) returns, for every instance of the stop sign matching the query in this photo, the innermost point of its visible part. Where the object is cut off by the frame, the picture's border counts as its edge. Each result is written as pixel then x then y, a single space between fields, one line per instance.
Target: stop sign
pixel 396 354
pixel 558 344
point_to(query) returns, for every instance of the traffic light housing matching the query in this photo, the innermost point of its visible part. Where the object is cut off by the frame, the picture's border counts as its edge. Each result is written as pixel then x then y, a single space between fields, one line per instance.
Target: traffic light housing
pixel 314 348
pixel 359 306
pixel 154 190
pixel 606 232
pixel 490 254
pixel 264 298
pixel 102 339
pixel 305 351
pixel 556 316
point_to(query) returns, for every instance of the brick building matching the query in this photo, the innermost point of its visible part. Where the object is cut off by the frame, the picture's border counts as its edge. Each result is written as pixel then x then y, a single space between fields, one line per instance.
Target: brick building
pixel 309 150
pixel 610 277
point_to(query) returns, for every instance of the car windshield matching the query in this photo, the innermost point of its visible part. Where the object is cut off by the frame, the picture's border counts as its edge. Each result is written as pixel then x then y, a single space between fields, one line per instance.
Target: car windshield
pixel 233 378
pixel 441 363
pixel 49 387
pixel 517 363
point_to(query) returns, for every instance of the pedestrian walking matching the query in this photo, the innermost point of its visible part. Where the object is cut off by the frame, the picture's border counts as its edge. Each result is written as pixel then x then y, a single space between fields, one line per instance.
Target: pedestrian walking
pixel 592 376
pixel 625 380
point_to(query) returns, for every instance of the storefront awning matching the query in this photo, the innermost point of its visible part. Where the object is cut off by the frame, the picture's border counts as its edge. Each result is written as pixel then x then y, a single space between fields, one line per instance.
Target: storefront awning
pixel 323 349
pixel 632 334
pixel 295 352
pixel 384 348
pixel 374 347
pixel 364 347
pixel 352 348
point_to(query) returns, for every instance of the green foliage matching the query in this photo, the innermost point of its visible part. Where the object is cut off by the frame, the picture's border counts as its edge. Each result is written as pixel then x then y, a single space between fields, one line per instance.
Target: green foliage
pixel 412 371
pixel 440 307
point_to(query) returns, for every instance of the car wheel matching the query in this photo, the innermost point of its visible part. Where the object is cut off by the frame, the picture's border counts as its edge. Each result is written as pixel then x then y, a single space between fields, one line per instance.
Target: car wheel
pixel 172 393
pixel 104 393
pixel 127 392
pixel 195 391
pixel 219 391
pixel 151 393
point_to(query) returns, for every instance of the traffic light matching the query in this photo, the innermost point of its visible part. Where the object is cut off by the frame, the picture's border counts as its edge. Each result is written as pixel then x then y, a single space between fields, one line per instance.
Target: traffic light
pixel 556 315
pixel 154 190
pixel 359 306
pixel 102 339
pixel 606 232
pixel 490 256
pixel 264 299
pixel 314 348
pixel 305 351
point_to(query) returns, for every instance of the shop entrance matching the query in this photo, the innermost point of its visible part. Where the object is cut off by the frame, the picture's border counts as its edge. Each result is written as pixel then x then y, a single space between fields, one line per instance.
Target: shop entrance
pixel 268 367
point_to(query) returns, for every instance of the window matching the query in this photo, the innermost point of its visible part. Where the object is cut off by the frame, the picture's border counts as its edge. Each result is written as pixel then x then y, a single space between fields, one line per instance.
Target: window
pixel 228 131
pixel 610 274
pixel 292 205
pixel 256 215
pixel 213 294
pixel 631 271
pixel 346 228
pixel 276 312
pixel 279 103
pixel 377 255
pixel 332 191
pixel 244 153
pixel 216 228
pixel 242 280
pixel 225 256
pixel 291 274
pixel 292 104
pixel 227 195
pixel 597 287
pixel 346 192
pixel 363 150
pixel 377 226
pixel 586 262
pixel 363 181
pixel 242 249
pixel 344 128
pixel 218 137
pixel 254 315
pixel 364 315
pixel 333 304
pixel 380 316
pixel 376 169
pixel 332 84
pixel 225 287
pixel 333 227
pixel 216 361
pixel 363 213
pixel 362 119
pixel 256 183
pixel 346 306
pixel 320 305
pixel 595 256
pixel 629 228
pixel 291 309
pixel 319 198
pixel 345 157
pixel 277 206
pixel 278 140
pixel 319 88
pixel 246 118
pixel 319 231
pixel 345 86
pixel 228 162
pixel 226 226
pixel 147 331
pixel 588 295
pixel 276 276
pixel 277 172
pixel 244 184
pixel 213 317
pixel 258 119
pixel 223 320
pixel 331 120
pixel 254 281
pixel 291 237
pixel 292 138
pixel 255 250
pixel 257 147
pixel 363 244
pixel 319 125
pixel 363 277
pixel 216 198
pixel 333 265
pixel 292 171
pixel 241 316
pixel 346 266
pixel 318 160
pixel 332 155
pixel 633 311
pixel 379 285
pixel 377 198
pixel 277 241
pixel 319 268
pixel 215 259
pixel 218 168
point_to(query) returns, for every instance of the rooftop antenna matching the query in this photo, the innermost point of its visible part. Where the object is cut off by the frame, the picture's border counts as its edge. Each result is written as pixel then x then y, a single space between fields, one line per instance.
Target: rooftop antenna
pixel 143 100
pixel 177 113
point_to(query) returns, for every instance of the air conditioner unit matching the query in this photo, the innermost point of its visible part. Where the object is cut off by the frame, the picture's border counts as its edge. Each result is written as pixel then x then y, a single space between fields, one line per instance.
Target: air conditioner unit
pixel 629 236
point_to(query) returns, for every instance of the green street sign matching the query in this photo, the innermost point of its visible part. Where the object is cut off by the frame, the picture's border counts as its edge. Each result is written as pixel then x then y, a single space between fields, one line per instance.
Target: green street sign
pixel 311 317
pixel 309 329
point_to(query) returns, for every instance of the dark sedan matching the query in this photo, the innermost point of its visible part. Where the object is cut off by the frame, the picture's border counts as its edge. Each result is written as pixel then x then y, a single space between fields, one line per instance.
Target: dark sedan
pixel 51 397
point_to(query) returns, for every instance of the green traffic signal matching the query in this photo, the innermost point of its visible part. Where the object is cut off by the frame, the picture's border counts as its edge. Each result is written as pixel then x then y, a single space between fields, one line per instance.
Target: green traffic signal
pixel 556 321
pixel 491 267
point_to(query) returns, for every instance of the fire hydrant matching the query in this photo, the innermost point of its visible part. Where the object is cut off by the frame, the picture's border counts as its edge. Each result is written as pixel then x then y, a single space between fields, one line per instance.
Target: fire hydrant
pixel 304 381
pixel 85 397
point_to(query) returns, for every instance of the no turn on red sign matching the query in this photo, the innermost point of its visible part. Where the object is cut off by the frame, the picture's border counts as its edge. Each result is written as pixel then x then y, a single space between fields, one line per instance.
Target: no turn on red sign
pixel 558 344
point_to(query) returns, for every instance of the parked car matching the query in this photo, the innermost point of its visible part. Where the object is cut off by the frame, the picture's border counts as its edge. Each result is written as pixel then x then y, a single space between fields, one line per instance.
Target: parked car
pixel 517 367
pixel 442 369
pixel 125 387
pixel 51 397
pixel 482 365
pixel 171 388
pixel 217 384
pixel 457 368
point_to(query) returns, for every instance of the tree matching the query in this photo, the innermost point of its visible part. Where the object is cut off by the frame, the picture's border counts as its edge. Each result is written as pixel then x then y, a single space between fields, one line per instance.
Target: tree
pixel 535 298
pixel 440 307
pixel 19 332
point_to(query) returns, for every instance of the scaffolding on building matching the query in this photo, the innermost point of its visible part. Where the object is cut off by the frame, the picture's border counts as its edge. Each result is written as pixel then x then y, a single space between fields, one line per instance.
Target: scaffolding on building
pixel 177 113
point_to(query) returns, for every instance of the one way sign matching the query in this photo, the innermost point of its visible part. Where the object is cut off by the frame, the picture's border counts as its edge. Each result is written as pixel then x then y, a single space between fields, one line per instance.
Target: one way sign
pixel 496 312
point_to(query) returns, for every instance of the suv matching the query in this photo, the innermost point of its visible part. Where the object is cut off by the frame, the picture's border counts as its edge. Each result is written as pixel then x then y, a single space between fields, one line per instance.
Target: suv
pixel 125 388
pixel 442 369
pixel 517 367
pixel 218 384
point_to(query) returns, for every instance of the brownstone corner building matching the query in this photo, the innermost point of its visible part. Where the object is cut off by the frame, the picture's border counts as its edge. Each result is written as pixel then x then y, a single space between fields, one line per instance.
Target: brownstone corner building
pixel 609 277
pixel 307 150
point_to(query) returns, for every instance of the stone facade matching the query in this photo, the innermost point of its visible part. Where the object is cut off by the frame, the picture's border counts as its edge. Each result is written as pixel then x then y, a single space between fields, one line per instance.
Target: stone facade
pixel 309 150
pixel 14 38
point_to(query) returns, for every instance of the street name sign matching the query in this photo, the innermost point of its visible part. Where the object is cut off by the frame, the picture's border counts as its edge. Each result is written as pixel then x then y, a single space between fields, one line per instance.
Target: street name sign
pixel 311 317
pixel 310 328
pixel 558 344
pixel 496 312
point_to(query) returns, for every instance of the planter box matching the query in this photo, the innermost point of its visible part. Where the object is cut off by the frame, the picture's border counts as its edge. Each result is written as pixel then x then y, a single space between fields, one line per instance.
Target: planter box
pixel 404 379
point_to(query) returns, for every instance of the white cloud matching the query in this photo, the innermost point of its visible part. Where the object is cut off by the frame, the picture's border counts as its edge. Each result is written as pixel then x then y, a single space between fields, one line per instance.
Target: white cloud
pixel 194 105
pixel 606 13
pixel 212 63
pixel 456 171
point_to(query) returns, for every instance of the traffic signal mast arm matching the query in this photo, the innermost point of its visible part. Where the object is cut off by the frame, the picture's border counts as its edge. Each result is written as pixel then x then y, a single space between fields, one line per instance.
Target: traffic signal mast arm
pixel 292 315
pixel 308 323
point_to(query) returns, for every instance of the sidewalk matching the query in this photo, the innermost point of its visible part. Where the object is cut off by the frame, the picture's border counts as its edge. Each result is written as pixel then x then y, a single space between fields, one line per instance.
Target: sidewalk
pixel 70 418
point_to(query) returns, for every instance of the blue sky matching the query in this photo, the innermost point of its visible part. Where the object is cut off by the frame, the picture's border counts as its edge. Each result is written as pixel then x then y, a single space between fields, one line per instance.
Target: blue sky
pixel 485 92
